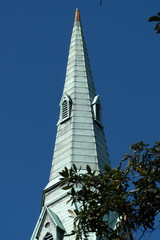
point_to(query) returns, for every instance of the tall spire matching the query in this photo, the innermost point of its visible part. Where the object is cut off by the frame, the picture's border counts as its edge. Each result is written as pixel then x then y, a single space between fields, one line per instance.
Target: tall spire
pixel 80 138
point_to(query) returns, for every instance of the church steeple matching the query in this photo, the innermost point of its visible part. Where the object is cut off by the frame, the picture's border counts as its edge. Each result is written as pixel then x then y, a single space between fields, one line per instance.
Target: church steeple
pixel 80 137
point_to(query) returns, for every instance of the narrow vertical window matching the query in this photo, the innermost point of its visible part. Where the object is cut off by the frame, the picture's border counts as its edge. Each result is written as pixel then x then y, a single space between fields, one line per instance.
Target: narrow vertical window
pixel 98 112
pixel 48 236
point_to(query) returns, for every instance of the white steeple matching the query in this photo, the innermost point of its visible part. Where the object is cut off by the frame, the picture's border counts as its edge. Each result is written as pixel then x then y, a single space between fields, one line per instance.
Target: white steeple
pixel 80 137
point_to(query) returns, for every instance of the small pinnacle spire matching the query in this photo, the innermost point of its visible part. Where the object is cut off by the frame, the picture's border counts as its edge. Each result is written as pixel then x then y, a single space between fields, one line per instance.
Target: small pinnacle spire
pixel 77 16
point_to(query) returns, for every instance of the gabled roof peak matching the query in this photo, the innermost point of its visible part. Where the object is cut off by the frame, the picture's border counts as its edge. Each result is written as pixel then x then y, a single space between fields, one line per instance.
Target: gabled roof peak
pixel 77 16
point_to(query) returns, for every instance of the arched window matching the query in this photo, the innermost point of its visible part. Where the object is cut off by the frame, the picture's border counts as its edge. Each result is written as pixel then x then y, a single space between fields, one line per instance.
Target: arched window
pixel 48 236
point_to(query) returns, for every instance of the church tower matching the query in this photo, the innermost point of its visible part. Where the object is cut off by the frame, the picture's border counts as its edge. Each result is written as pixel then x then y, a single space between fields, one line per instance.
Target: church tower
pixel 80 139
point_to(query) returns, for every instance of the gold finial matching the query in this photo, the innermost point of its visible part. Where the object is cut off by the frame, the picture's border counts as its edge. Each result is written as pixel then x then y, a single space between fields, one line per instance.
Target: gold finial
pixel 77 16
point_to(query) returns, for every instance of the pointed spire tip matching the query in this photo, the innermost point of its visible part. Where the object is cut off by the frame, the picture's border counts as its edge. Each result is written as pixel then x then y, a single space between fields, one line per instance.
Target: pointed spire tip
pixel 77 16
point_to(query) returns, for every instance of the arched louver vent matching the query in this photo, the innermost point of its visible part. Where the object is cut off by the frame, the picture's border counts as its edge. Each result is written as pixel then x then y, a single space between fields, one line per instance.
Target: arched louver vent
pixel 64 109
pixel 48 237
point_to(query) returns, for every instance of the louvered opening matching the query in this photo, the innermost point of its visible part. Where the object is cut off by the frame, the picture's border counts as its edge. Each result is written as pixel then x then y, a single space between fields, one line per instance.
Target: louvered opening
pixel 64 109
pixel 98 113
pixel 48 237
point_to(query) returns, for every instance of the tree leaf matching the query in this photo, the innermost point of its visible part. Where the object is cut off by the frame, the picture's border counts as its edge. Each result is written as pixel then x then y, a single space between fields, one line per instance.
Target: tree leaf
pixel 157 26
pixel 74 167
pixel 63 174
pixel 72 213
pixel 107 168
pixel 158 30
pixel 154 19
pixel 66 187
pixel 88 169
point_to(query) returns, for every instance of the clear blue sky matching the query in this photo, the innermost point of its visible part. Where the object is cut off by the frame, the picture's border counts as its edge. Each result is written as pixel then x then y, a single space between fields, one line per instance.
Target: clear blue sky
pixel 124 52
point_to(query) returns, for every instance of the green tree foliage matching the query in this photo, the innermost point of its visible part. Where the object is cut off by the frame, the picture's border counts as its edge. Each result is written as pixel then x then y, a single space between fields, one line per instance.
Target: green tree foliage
pixel 131 192
pixel 156 19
